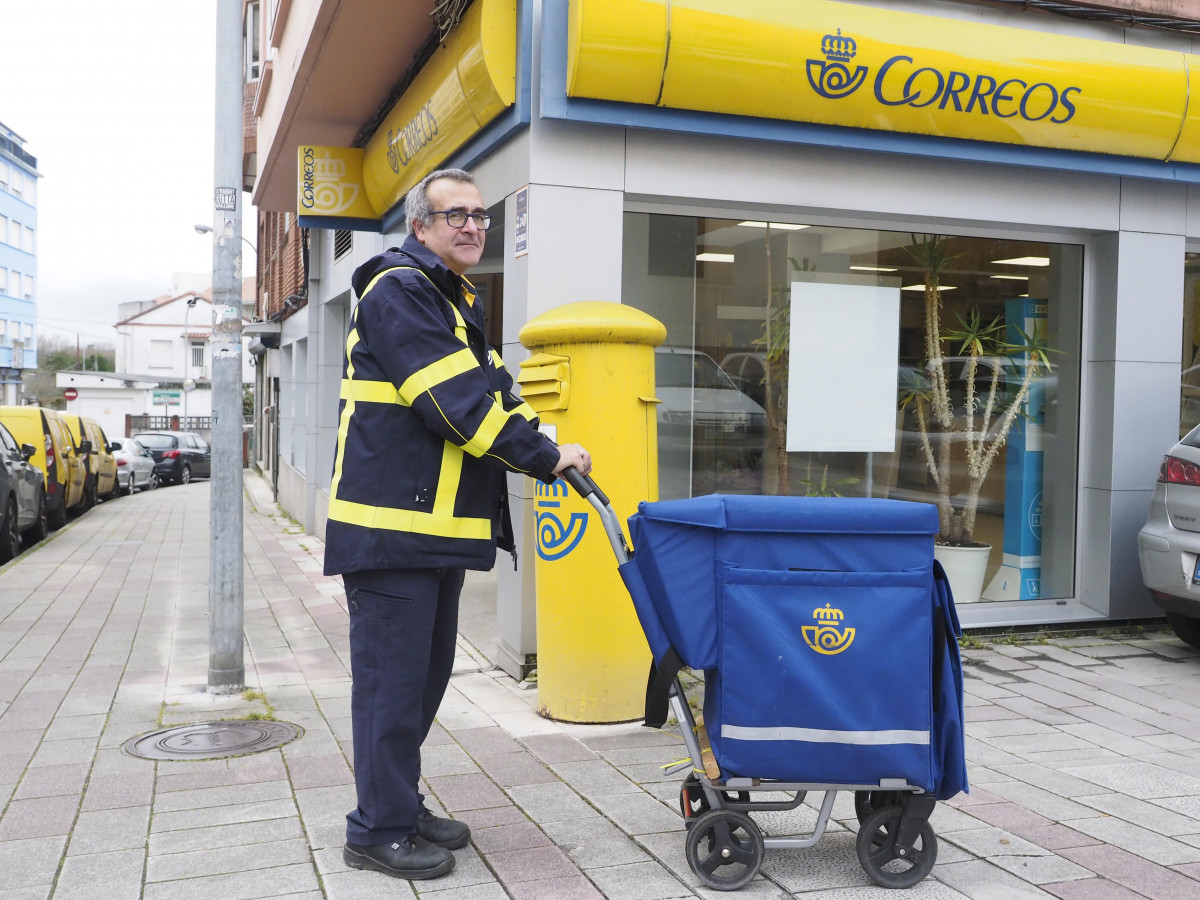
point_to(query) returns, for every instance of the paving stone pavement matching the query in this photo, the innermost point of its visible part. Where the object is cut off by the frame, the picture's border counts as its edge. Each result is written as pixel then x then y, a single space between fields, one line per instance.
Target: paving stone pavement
pixel 1084 750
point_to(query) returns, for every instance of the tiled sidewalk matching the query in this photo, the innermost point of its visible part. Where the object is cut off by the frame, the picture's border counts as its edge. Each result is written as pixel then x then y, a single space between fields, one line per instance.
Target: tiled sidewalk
pixel 1084 751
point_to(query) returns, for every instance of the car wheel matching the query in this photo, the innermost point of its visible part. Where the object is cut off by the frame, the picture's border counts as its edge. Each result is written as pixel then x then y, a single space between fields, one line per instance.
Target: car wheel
pixel 115 492
pixel 153 482
pixel 131 485
pixel 10 539
pixel 1186 628
pixel 185 477
pixel 41 525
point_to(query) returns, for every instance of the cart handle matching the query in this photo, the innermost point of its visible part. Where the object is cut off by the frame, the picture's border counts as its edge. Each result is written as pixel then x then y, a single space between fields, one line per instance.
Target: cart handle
pixel 588 490
pixel 583 484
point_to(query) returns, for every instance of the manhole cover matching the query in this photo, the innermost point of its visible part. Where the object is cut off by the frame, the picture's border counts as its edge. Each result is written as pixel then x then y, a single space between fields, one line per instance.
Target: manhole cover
pixel 212 740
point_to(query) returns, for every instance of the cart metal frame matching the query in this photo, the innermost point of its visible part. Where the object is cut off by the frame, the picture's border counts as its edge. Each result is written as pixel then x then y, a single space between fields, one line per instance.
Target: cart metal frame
pixel 895 845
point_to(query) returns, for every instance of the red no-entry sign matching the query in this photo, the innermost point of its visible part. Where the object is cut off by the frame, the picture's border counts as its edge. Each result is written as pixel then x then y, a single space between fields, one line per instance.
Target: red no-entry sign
pixel 70 394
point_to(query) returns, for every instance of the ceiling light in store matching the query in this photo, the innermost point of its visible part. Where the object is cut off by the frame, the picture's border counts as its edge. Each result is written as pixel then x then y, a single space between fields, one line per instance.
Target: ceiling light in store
pixel 921 287
pixel 1012 277
pixel 1023 261
pixel 782 226
pixel 872 269
pixel 714 257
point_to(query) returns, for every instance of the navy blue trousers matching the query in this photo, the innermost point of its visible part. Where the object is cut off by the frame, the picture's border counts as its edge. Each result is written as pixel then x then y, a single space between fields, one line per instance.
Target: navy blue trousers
pixel 403 627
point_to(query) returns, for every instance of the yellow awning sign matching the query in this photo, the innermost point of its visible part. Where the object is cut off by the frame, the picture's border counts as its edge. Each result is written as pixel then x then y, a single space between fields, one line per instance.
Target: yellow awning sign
pixel 330 183
pixel 467 82
pixel 836 63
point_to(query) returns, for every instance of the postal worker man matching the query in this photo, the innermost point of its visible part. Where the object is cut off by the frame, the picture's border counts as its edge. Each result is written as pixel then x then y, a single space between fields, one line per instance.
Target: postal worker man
pixel 427 429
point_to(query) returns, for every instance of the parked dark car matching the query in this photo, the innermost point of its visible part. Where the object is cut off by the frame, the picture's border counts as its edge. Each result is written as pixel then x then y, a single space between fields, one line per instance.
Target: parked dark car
pixel 22 497
pixel 179 456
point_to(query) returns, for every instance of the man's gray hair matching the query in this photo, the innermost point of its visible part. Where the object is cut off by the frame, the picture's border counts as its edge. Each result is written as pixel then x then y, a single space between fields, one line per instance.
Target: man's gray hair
pixel 416 204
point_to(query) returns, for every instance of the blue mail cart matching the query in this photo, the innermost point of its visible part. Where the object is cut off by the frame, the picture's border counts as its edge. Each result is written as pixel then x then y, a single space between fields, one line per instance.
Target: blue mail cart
pixel 826 634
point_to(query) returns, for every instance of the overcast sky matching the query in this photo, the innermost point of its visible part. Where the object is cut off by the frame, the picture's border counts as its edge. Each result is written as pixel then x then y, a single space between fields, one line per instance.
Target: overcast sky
pixel 115 101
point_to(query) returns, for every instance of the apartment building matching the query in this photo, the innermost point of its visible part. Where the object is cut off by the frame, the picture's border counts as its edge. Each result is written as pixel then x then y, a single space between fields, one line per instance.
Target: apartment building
pixel 18 262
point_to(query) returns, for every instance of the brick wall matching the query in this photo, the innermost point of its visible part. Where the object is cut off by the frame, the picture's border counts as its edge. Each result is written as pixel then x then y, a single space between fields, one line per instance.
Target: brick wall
pixel 280 261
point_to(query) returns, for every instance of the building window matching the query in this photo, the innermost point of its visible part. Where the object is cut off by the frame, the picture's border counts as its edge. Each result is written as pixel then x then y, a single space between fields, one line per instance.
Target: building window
pixel 796 362
pixel 27 239
pixel 4 229
pixel 3 281
pixel 343 242
pixel 197 356
pixel 160 354
pixel 28 287
pixel 253 46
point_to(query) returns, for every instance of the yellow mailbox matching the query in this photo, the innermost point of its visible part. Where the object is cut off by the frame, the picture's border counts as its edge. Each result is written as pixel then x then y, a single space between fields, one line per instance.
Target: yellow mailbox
pixel 591 381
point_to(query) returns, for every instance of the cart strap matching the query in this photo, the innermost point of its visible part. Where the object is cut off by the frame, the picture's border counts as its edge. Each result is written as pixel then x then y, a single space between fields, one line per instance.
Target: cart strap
pixel 658 687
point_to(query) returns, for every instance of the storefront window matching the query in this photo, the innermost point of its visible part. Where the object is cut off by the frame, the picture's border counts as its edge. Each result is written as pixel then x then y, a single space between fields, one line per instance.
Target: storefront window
pixel 797 362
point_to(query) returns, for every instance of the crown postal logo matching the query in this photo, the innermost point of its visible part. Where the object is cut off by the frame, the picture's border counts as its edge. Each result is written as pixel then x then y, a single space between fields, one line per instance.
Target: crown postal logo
pixel 826 637
pixel 831 77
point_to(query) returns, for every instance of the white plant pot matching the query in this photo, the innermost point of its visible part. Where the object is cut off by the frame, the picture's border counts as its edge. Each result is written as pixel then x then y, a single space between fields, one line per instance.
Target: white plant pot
pixel 965 568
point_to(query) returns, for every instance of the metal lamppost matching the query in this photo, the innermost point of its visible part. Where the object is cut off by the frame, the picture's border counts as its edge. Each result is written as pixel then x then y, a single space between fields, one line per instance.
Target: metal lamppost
pixel 226 662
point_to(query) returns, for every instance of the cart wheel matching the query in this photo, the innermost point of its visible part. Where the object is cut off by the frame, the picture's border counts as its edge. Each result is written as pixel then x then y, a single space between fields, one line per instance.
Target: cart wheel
pixel 880 858
pixel 866 802
pixel 693 802
pixel 724 849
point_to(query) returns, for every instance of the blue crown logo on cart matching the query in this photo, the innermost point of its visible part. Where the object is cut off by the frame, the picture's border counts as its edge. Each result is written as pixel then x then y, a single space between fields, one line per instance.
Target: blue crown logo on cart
pixel 826 637
pixel 554 538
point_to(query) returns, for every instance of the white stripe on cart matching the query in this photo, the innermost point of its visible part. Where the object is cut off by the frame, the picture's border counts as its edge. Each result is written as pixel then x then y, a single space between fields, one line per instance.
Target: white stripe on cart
pixel 822 736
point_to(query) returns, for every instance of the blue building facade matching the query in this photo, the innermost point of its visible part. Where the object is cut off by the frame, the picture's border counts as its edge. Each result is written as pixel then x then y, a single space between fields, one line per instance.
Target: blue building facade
pixel 18 263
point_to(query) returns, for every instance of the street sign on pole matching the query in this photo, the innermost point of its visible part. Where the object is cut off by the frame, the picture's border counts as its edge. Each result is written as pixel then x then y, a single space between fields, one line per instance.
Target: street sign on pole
pixel 158 398
pixel 70 393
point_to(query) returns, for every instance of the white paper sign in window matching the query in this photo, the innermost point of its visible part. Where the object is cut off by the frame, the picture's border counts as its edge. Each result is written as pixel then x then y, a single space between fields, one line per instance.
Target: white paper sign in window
pixel 842 368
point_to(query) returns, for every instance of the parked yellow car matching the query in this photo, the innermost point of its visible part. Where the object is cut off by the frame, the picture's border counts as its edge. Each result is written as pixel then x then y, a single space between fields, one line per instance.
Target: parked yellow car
pixel 99 463
pixel 56 456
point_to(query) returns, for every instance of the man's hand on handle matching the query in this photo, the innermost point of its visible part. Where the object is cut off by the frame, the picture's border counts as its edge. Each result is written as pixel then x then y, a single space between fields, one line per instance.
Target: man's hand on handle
pixel 573 455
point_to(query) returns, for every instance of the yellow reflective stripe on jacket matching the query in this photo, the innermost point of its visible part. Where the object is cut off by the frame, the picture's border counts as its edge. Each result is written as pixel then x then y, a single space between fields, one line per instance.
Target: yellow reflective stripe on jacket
pixel 441 522
pixel 348 409
pixel 369 391
pixel 436 523
pixel 435 373
pixel 525 411
pixel 481 442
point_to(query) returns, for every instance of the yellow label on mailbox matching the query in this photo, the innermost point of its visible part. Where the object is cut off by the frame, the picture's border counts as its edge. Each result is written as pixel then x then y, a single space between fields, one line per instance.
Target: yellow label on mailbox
pixel 840 64
pixel 330 183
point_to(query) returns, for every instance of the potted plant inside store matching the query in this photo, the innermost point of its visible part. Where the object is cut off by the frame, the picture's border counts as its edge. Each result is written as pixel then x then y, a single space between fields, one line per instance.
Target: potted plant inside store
pixel 960 440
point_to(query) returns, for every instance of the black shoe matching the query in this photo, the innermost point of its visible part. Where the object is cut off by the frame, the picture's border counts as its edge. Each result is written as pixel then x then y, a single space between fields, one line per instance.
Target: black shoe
pixel 442 832
pixel 411 857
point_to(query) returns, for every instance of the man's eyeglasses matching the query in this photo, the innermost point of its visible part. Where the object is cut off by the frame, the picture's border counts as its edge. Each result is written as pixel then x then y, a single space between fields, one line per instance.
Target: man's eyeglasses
pixel 457 218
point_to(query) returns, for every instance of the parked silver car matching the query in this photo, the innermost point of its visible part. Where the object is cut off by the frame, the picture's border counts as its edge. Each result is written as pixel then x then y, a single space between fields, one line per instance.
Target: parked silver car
pixel 1169 542
pixel 135 466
